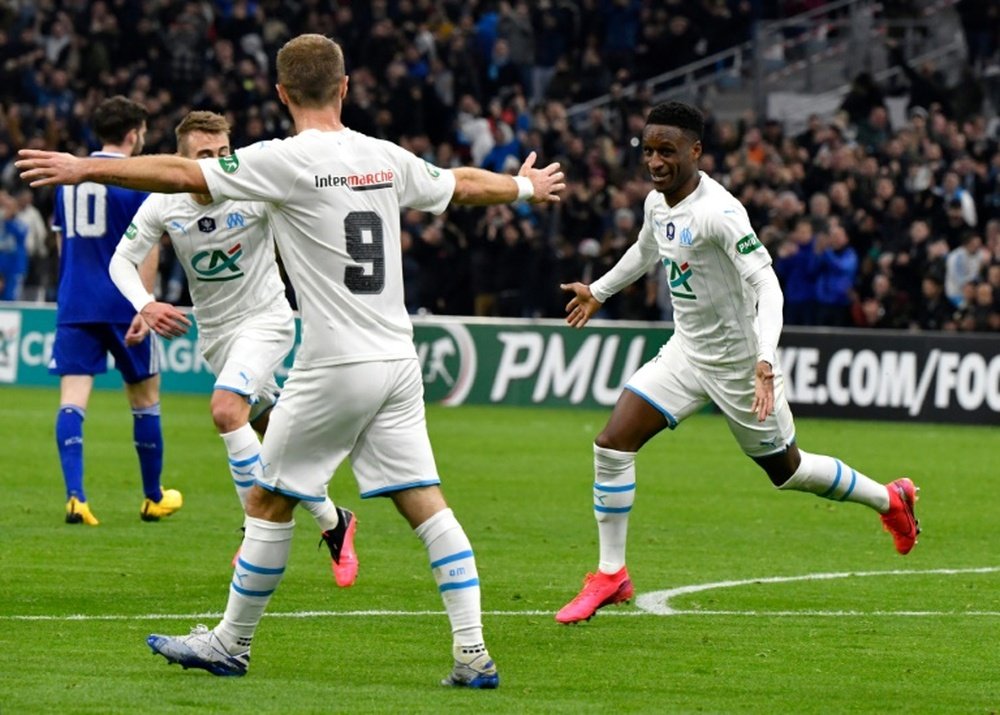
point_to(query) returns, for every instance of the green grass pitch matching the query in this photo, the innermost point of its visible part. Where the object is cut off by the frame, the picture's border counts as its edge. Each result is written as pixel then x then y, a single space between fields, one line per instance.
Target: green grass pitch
pixel 917 635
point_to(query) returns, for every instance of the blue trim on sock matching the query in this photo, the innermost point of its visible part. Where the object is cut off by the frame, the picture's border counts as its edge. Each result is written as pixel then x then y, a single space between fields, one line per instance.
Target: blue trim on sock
pixel 461 584
pixel 287 492
pixel 606 488
pixel 671 420
pixel 454 557
pixel 247 592
pixel 612 509
pixel 836 481
pixel 244 462
pixel 399 488
pixel 854 480
pixel 259 569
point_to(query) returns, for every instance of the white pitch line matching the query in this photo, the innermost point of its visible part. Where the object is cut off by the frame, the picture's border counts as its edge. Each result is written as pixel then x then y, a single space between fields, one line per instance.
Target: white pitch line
pixel 655 603
pixel 658 602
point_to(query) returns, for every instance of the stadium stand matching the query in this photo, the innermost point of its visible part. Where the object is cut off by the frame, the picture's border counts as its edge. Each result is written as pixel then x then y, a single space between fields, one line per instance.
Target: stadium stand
pixel 904 160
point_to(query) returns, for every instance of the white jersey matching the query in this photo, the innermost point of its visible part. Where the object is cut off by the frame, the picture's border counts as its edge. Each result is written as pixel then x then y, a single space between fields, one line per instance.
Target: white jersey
pixel 226 249
pixel 336 198
pixel 709 250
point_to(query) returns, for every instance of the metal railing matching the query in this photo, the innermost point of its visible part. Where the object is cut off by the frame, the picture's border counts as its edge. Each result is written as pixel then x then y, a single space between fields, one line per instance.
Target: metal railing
pixel 817 52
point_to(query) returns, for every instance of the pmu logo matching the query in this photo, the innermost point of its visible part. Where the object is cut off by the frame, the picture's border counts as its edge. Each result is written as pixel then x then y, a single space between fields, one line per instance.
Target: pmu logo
pixel 216 265
pixel 447 359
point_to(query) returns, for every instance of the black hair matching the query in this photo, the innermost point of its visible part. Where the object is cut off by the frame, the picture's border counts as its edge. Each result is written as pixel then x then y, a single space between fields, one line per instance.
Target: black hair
pixel 680 115
pixel 115 117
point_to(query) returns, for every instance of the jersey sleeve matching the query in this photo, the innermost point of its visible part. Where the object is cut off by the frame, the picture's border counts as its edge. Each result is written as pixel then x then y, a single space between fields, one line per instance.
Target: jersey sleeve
pixel 421 185
pixel 637 260
pixel 260 172
pixel 143 232
pixel 58 214
pixel 730 226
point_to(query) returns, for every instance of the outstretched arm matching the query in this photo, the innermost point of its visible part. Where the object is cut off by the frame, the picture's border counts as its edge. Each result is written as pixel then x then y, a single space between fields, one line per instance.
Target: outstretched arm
pixel 478 187
pixel 161 173
pixel 582 306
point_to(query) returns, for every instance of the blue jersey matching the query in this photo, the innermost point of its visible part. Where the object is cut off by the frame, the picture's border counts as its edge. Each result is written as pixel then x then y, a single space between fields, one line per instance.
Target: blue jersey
pixel 92 219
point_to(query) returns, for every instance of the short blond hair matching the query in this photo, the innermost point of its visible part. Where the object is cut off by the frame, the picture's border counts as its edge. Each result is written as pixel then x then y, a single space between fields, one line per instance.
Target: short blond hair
pixel 311 69
pixel 201 121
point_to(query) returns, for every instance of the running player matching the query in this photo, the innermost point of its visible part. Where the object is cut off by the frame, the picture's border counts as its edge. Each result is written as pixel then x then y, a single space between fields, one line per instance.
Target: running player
pixel 93 319
pixel 245 324
pixel 355 389
pixel 727 320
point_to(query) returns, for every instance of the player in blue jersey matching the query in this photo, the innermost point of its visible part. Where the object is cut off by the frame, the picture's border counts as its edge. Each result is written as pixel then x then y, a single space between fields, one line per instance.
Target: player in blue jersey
pixel 93 319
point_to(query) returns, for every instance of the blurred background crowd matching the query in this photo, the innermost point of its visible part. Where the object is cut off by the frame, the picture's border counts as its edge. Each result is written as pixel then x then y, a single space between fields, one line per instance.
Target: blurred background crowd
pixel 871 221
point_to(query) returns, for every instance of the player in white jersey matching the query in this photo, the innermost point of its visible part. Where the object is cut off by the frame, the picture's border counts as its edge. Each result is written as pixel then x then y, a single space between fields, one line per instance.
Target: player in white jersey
pixel 355 389
pixel 246 326
pixel 727 320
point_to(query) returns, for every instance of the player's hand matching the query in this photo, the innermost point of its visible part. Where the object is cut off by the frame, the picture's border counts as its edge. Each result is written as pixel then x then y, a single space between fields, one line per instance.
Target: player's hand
pixel 165 319
pixel 547 182
pixel 137 331
pixel 582 306
pixel 763 390
pixel 44 168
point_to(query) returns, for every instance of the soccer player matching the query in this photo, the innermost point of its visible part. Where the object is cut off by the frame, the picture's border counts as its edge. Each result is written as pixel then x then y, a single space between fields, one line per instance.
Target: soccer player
pixel 93 319
pixel 246 326
pixel 727 320
pixel 355 389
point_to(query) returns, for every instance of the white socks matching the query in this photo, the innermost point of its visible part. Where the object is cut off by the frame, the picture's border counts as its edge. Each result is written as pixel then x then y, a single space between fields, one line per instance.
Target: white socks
pixel 245 466
pixel 830 478
pixel 614 494
pixel 324 512
pixel 259 568
pixel 454 568
pixel 243 448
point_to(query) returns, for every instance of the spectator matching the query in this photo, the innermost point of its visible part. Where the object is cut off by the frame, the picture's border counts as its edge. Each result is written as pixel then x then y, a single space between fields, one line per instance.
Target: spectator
pixel 835 266
pixel 795 256
pixel 39 276
pixel 962 267
pixel 934 311
pixel 13 249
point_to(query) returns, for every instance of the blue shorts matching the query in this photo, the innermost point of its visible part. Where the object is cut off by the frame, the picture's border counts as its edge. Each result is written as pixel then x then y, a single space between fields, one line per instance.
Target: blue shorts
pixel 82 349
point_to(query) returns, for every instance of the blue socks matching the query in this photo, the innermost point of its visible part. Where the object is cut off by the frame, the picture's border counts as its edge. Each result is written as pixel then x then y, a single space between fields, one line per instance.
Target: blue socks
pixel 148 439
pixel 69 440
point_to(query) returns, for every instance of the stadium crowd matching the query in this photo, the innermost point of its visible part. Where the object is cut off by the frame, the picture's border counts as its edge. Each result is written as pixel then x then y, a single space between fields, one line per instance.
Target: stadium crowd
pixel 869 224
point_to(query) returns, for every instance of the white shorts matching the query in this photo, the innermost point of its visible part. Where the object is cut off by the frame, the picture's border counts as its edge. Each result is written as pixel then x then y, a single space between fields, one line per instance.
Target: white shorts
pixel 371 412
pixel 245 357
pixel 678 388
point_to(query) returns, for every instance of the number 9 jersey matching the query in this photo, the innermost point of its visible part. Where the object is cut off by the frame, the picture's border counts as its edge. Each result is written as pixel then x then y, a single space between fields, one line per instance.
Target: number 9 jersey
pixel 91 218
pixel 337 197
